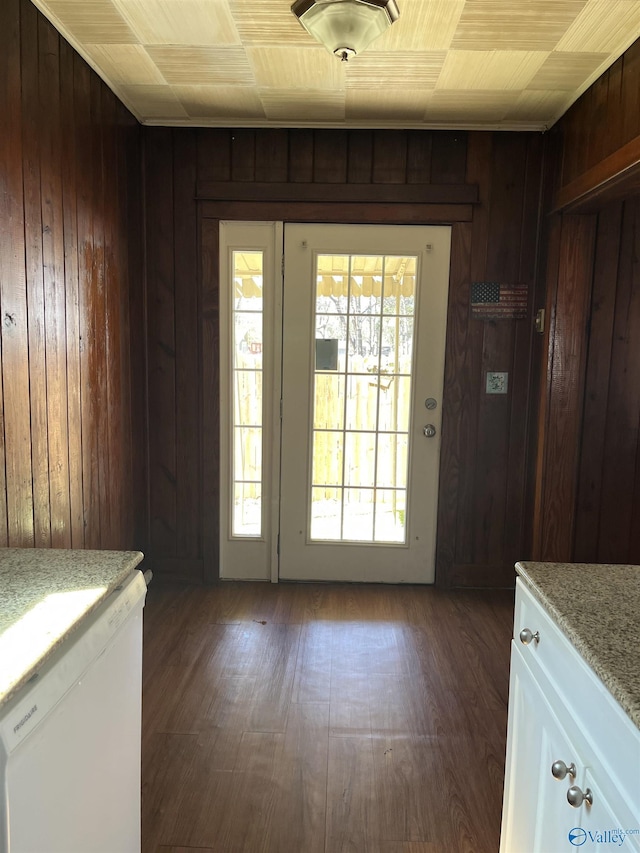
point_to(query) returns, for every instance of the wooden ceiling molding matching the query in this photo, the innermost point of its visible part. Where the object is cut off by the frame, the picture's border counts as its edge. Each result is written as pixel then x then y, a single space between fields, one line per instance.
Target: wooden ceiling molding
pixel 460 64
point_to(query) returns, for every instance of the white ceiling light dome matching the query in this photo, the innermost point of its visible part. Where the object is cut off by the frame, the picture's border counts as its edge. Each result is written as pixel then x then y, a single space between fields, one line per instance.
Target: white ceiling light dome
pixel 345 27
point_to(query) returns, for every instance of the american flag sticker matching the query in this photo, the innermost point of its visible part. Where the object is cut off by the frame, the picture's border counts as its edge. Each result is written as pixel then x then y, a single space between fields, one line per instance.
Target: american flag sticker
pixel 493 301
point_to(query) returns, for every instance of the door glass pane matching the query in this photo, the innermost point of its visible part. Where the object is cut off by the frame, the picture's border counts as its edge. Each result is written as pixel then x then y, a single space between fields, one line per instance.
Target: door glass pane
pixel 329 401
pixel 246 383
pixel 358 515
pixel 362 396
pixel 326 513
pixel 390 515
pixel 327 458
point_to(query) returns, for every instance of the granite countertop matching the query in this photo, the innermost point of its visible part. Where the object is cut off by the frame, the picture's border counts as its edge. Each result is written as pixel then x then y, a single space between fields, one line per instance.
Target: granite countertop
pixel 44 595
pixel 597 606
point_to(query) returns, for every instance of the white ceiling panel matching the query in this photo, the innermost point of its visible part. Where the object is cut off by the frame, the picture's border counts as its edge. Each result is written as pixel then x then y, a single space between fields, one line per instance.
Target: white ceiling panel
pixel 445 63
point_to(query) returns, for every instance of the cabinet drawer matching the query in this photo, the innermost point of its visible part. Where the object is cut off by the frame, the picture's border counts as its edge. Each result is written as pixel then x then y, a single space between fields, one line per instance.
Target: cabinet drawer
pixel 607 740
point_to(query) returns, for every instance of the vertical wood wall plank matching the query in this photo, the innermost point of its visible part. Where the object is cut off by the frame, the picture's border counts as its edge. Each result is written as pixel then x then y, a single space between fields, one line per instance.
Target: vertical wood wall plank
pixel 301 155
pixel 13 303
pixel 360 157
pixel 188 473
pixel 70 229
pixel 112 323
pixel 85 214
pixel 630 94
pixel 552 276
pixel 389 157
pixel 567 354
pixel 135 306
pixel 448 157
pixel 243 155
pixel 54 284
pixel 31 157
pixel 161 340
pixel 98 403
pixel 330 156
pixel 210 264
pixel 419 157
pixel 272 155
pixel 214 154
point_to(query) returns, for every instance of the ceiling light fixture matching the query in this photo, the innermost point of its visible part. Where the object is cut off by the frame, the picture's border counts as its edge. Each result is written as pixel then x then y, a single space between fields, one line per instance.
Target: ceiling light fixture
pixel 345 27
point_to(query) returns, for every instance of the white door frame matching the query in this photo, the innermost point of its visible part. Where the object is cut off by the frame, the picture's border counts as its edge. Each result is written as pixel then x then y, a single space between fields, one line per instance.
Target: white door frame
pixel 258 558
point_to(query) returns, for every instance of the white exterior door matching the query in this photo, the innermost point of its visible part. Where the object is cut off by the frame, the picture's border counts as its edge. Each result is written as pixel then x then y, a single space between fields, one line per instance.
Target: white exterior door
pixel 363 362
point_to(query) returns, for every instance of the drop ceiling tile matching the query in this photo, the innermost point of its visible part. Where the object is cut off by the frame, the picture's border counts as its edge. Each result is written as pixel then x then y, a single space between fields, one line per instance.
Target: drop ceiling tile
pixel 536 105
pixel 497 69
pixel 566 72
pixel 194 65
pixel 466 108
pixel 394 70
pixel 153 102
pixel 404 105
pixel 95 22
pixel 296 68
pixel 125 64
pixel 603 26
pixel 524 25
pixel 268 22
pixel 220 102
pixel 303 105
pixel 191 22
pixel 423 25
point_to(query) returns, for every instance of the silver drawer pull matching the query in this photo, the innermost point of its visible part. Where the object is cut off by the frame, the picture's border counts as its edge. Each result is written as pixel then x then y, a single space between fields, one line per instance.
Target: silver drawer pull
pixel 559 770
pixel 527 636
pixel 575 796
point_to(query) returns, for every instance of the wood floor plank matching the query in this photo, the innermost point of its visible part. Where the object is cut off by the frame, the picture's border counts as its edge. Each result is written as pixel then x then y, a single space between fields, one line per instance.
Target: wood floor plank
pixel 312 680
pixel 300 780
pixel 408 793
pixel 352 812
pixel 324 718
pixel 274 681
pixel 350 710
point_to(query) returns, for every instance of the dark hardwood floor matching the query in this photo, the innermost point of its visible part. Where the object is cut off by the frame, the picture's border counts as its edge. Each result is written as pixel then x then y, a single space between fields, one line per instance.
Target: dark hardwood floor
pixel 316 718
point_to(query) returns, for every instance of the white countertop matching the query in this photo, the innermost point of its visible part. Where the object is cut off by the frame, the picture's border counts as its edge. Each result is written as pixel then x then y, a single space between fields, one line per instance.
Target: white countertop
pixel 597 606
pixel 44 596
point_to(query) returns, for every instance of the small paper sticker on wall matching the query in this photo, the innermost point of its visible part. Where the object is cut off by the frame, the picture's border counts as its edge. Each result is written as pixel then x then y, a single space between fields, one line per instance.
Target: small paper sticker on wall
pixel 497 383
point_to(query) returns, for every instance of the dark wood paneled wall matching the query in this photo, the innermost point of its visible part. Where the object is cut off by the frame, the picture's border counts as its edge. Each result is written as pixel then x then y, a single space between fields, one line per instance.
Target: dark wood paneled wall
pixel 70 259
pixel 569 272
pixel 608 498
pixel 587 493
pixel 482 524
pixel 602 122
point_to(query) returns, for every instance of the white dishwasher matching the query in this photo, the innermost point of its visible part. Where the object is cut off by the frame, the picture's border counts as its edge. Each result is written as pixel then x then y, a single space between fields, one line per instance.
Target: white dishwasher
pixel 70 739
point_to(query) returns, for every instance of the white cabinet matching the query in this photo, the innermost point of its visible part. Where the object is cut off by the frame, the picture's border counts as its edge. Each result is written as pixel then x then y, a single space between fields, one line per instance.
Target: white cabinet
pixel 559 711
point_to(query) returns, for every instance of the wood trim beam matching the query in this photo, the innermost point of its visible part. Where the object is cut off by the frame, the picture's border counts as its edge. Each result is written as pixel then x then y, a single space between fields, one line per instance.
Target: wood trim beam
pixel 297 211
pixel 338 193
pixel 612 179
